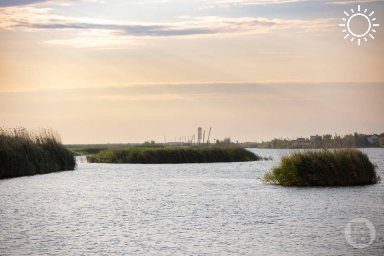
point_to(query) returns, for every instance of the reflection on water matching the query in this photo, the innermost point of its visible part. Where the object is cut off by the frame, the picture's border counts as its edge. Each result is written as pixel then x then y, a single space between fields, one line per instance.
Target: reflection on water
pixel 81 159
pixel 219 209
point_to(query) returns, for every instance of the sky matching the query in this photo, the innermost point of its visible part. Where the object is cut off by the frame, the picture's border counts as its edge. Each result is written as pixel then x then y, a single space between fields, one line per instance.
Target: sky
pixel 110 71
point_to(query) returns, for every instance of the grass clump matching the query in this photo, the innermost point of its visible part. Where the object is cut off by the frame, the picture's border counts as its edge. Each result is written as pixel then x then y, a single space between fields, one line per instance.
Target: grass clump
pixel 344 167
pixel 23 153
pixel 174 155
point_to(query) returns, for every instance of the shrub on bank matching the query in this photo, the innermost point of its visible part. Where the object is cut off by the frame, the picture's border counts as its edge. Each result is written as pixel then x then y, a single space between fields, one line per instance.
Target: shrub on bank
pixel 174 155
pixel 25 153
pixel 344 167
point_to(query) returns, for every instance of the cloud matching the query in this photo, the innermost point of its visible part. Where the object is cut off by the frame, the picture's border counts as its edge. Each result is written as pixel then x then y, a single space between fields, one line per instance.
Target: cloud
pixel 206 4
pixel 5 3
pixel 230 3
pixel 90 32
pixel 97 39
pixel 10 3
pixel 30 18
pixel 353 1
pixel 251 2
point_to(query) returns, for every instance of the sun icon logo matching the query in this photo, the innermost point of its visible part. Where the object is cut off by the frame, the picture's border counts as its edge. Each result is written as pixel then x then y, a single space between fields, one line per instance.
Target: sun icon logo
pixel 359 25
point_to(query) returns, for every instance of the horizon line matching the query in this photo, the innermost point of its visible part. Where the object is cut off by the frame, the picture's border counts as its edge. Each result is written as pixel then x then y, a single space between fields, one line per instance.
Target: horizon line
pixel 120 85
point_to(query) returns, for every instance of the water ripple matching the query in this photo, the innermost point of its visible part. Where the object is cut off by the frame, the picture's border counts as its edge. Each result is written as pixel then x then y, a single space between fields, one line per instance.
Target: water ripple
pixel 203 209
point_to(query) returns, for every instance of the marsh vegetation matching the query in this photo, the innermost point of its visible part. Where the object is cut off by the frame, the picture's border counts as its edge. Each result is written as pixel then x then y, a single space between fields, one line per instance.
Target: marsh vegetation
pixel 24 152
pixel 344 167
pixel 174 155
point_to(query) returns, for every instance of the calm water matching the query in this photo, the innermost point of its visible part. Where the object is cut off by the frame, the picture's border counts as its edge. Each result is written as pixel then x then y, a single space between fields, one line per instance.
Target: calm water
pixel 211 209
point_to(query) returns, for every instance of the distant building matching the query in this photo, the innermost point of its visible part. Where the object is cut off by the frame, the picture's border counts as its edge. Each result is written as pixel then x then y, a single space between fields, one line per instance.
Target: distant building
pixel 314 138
pixel 374 139
pixel 199 134
pixel 224 141
pixel 227 140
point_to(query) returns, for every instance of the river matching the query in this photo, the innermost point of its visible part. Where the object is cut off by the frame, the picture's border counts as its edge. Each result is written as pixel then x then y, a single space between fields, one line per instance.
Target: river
pixel 184 209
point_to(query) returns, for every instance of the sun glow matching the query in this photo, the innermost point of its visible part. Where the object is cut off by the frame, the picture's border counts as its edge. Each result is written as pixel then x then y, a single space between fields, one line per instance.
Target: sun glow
pixel 370 25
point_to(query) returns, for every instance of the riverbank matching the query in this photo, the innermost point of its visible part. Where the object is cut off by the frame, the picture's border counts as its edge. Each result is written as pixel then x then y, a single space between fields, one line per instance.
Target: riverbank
pixel 355 140
pixel 24 153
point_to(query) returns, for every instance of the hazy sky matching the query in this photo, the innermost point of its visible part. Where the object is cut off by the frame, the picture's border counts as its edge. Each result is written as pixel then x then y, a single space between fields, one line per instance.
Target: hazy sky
pixel 130 71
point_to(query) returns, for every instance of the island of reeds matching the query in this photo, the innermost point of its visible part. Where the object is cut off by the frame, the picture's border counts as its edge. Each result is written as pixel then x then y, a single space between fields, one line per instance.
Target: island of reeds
pixel 24 153
pixel 343 167
pixel 174 155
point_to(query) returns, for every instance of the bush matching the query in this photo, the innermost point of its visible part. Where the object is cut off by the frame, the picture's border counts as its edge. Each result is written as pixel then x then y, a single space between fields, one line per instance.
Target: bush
pixel 193 154
pixel 345 167
pixel 27 153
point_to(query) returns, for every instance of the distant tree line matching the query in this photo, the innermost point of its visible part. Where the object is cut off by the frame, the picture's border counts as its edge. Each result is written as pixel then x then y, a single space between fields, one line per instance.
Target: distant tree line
pixel 356 140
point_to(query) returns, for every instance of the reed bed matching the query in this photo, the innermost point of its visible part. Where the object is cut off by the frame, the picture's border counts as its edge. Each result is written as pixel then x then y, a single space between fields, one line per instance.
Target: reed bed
pixel 24 152
pixel 174 155
pixel 343 167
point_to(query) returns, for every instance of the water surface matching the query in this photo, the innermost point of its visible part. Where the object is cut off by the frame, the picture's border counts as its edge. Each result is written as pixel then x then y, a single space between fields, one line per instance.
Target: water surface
pixel 185 209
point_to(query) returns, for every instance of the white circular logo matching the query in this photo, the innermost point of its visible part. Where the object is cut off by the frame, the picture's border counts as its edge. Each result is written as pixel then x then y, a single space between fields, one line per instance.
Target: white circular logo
pixel 360 233
pixel 368 21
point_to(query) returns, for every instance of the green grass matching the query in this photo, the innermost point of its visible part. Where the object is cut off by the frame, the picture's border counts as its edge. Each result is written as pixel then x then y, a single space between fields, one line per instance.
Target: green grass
pixel 174 155
pixel 91 149
pixel 344 167
pixel 86 149
pixel 25 153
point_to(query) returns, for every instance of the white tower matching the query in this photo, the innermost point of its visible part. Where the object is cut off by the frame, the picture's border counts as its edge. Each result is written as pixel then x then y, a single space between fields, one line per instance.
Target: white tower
pixel 199 134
